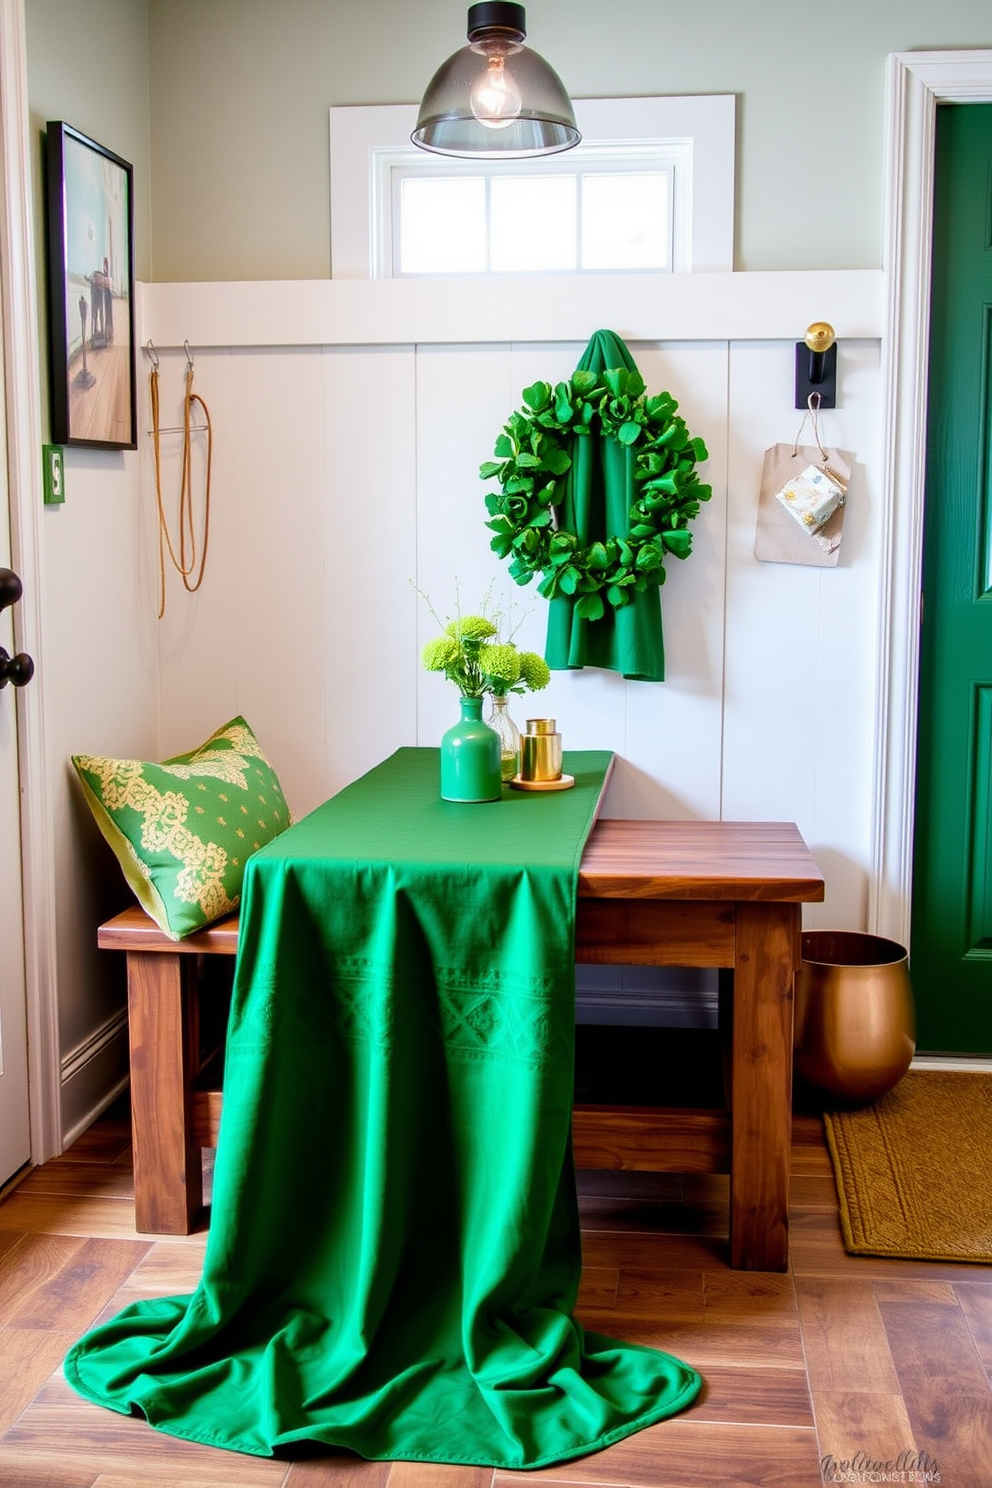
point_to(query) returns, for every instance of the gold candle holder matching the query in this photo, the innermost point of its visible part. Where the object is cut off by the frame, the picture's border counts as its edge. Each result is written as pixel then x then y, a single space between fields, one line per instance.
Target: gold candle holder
pixel 540 751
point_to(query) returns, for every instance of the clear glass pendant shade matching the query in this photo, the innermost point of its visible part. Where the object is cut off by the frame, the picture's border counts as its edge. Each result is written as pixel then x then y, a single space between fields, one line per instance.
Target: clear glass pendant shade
pixel 495 98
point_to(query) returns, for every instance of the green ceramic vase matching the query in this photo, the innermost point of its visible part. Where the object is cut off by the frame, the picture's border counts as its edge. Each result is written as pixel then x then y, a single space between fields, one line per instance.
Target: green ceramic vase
pixel 470 757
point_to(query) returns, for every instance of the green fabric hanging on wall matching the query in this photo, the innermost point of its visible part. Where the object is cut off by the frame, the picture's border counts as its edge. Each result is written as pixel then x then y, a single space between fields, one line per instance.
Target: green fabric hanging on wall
pixel 600 491
pixel 394 1250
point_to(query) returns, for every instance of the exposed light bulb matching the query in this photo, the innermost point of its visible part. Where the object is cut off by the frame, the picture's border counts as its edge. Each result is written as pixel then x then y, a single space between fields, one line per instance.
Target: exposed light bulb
pixel 495 98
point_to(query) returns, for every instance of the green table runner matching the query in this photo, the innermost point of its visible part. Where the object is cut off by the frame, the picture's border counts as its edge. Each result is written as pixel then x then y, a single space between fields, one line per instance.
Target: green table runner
pixel 394 1253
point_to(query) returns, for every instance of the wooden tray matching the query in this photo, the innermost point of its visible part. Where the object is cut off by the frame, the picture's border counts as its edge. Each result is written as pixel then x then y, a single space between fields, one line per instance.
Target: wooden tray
pixel 564 782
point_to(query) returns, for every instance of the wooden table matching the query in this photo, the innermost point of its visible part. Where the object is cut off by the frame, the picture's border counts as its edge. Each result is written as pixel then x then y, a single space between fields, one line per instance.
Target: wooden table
pixel 700 894
pixel 709 894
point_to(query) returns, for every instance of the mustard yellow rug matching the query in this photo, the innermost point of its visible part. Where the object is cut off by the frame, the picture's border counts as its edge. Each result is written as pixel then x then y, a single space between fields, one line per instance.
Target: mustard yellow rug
pixel 914 1170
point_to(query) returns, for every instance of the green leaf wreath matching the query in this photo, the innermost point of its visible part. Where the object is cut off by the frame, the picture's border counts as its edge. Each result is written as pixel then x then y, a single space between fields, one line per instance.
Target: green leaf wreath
pixel 533 457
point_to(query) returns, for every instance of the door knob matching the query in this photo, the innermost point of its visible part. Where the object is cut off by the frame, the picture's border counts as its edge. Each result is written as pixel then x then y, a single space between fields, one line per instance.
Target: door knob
pixel 17 669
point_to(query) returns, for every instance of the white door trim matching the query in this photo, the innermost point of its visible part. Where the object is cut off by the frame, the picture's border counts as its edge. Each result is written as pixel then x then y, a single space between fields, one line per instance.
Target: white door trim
pixel 918 82
pixel 21 358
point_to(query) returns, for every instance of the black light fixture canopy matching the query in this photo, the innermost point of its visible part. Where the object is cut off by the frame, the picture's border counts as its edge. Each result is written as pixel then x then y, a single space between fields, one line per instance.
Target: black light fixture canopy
pixel 496 98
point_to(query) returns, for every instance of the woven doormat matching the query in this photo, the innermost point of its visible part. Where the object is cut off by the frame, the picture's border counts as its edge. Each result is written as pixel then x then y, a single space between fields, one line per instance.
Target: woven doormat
pixel 914 1170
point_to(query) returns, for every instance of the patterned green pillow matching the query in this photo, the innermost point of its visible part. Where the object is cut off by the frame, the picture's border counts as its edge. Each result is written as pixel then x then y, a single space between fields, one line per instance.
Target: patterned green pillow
pixel 183 830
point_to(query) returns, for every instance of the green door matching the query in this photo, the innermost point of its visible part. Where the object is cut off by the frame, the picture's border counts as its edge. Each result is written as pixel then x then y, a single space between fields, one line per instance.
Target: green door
pixel 951 948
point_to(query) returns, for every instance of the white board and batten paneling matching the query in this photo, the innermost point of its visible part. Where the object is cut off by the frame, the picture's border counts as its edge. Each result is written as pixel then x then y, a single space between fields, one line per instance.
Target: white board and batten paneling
pixel 350 420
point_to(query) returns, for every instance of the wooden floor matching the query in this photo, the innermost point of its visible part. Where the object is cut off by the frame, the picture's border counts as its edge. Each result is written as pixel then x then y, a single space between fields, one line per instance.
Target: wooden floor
pixel 864 1362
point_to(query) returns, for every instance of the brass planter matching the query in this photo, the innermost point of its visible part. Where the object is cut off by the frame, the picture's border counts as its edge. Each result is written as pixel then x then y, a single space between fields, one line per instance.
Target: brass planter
pixel 855 1030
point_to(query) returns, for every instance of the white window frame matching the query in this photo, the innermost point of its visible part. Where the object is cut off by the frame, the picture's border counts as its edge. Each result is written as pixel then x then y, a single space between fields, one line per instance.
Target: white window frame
pixel 366 141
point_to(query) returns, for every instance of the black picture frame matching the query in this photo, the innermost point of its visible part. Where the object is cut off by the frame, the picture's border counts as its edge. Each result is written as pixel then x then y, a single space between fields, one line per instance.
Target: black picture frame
pixel 90 292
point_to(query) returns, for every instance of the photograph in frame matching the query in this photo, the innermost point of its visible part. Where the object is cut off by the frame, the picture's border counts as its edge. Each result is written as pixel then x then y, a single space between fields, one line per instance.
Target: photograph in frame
pixel 91 292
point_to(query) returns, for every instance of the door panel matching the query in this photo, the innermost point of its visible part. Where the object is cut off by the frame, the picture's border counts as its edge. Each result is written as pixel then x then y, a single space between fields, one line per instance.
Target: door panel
pixel 15 1140
pixel 951 950
pixel 980 908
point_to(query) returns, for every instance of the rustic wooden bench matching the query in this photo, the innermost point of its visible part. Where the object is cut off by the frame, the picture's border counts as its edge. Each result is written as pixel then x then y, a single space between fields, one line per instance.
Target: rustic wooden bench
pixel 709 894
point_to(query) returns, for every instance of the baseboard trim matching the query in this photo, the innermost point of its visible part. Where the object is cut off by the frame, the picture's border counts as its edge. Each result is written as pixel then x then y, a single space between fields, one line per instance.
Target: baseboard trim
pixel 97 1110
pixel 15 1180
pixel 645 996
pixel 94 1074
pixel 92 1047
pixel 965 1063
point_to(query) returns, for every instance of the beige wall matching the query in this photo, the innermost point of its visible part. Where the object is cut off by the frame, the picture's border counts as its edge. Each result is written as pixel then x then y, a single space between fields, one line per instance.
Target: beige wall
pixel 98 664
pixel 222 107
pixel 88 65
pixel 240 91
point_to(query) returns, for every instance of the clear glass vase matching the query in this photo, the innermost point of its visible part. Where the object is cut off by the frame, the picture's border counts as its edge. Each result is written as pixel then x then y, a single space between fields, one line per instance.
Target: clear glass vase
pixel 509 737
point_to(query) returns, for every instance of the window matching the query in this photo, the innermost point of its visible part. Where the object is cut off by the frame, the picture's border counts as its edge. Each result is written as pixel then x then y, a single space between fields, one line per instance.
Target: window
pixel 649 189
pixel 610 212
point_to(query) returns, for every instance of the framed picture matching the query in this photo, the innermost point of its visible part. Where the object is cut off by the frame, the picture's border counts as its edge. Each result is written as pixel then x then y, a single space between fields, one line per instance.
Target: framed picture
pixel 90 292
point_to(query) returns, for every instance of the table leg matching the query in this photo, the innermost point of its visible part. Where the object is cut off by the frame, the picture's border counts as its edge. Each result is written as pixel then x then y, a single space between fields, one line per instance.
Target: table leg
pixel 767 954
pixel 168 1174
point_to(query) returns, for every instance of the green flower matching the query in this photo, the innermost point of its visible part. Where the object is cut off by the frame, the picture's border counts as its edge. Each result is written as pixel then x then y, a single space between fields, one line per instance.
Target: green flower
pixel 500 665
pixel 534 671
pixel 471 654
pixel 439 654
pixel 470 628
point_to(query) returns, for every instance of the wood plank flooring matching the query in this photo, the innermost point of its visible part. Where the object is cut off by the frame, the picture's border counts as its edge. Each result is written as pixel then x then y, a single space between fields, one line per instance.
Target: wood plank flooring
pixel 844 1366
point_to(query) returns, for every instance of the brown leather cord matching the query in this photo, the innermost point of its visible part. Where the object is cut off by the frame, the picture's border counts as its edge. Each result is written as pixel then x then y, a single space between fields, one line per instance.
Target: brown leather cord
pixel 185 563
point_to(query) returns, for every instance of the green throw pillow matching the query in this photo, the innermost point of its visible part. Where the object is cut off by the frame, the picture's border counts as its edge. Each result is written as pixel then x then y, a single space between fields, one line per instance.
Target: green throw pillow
pixel 183 830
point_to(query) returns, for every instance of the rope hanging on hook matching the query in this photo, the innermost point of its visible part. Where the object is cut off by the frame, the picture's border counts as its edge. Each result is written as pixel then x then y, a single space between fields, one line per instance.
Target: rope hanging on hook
pixel 812 410
pixel 185 562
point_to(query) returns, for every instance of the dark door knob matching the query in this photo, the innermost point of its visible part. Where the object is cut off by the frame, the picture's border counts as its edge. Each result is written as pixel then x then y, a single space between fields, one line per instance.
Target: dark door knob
pixel 17 669
pixel 10 588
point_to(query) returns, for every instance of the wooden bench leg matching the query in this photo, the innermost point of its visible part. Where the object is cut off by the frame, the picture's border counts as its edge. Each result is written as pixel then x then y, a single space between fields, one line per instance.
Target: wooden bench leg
pixel 768 949
pixel 162 1017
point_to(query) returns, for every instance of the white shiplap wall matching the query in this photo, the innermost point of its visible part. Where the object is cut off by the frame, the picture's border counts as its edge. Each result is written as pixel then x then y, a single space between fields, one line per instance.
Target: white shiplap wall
pixel 348 433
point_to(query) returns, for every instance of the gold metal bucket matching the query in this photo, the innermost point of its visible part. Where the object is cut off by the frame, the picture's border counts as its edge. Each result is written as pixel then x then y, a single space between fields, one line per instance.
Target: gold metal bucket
pixel 855 1028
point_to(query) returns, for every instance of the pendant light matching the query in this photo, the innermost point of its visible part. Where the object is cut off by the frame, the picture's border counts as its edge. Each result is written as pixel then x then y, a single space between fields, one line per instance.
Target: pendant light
pixel 495 98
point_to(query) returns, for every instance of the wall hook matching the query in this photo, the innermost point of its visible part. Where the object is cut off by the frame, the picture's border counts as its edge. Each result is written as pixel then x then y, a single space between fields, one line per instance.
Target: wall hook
pixel 816 366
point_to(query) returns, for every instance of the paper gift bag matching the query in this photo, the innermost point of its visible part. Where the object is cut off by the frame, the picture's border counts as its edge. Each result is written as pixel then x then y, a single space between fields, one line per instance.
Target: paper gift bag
pixel 779 538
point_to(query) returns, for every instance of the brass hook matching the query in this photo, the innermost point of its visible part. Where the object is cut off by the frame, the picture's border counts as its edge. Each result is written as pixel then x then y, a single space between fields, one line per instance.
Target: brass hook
pixel 816 365
pixel 820 336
